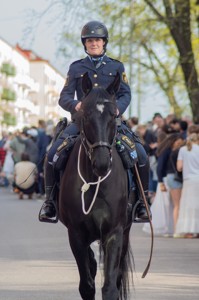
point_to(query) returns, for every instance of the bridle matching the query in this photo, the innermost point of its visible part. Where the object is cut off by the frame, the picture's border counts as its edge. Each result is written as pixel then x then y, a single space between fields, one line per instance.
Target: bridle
pixel 89 147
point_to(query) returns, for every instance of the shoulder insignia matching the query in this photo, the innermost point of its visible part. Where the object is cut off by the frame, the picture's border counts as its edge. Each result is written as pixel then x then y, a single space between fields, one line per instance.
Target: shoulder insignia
pixel 124 78
pixel 115 59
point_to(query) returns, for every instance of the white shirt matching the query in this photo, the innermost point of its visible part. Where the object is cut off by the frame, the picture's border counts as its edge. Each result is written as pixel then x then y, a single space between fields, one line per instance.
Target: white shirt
pixel 190 161
pixel 25 172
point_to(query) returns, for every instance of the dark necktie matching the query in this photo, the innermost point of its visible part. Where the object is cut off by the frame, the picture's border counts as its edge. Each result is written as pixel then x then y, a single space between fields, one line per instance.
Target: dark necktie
pixel 97 62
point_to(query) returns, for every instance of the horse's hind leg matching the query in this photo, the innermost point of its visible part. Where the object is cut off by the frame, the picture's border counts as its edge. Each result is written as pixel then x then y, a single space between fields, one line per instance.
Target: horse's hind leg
pixel 86 263
pixel 112 247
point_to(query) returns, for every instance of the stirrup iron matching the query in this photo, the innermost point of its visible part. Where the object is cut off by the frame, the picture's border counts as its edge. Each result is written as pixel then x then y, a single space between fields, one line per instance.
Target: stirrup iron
pixel 136 219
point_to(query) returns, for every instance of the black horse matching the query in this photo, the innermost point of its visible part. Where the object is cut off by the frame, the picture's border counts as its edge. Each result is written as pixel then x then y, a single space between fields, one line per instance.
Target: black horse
pixel 94 196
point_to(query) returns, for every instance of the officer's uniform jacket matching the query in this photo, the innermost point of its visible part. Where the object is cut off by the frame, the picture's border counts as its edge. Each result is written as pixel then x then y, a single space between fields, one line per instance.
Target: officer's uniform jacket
pixel 101 76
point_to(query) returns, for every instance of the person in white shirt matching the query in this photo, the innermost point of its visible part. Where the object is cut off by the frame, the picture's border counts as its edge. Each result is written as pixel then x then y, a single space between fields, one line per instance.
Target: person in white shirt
pixel 25 175
pixel 188 163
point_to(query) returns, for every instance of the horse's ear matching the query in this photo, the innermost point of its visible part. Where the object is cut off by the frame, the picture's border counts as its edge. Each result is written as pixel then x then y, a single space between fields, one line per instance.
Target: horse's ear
pixel 114 86
pixel 86 84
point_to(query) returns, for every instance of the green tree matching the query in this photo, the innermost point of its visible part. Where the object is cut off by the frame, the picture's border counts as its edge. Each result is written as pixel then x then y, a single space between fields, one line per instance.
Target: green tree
pixel 165 33
pixel 177 18
pixel 156 39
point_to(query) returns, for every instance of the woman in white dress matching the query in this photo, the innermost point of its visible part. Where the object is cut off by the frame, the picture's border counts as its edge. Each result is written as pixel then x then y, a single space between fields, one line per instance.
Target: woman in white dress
pixel 161 208
pixel 188 163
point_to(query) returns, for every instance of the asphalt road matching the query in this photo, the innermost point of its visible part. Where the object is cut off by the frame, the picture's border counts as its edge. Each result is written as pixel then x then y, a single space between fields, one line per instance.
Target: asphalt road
pixel 36 262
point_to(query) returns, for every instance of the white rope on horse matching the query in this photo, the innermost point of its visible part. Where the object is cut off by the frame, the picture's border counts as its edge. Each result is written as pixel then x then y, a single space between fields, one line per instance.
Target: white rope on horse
pixel 87 185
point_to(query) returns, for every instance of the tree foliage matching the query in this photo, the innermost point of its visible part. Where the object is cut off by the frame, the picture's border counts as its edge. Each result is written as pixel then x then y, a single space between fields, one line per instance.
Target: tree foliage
pixel 178 19
pixel 157 41
pixel 162 35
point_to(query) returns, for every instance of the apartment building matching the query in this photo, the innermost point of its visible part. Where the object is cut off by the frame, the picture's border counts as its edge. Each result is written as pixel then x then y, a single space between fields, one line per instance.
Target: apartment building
pixel 29 88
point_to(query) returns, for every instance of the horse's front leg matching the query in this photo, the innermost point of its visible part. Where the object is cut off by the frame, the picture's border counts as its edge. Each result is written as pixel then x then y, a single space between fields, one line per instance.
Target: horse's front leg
pixel 86 263
pixel 112 246
pixel 125 266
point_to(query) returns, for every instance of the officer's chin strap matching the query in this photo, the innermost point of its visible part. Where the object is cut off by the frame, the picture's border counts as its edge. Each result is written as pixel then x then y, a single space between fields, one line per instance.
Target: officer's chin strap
pixel 148 213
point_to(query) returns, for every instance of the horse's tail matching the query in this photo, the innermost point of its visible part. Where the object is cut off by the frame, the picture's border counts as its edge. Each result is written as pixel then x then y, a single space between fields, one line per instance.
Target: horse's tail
pixel 126 268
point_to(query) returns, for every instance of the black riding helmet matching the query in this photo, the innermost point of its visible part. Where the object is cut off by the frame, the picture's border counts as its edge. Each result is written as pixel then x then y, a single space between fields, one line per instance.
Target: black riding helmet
pixel 94 29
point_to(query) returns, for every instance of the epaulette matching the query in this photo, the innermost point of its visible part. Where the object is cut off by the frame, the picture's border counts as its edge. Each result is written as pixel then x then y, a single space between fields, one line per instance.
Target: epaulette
pixel 76 61
pixel 115 59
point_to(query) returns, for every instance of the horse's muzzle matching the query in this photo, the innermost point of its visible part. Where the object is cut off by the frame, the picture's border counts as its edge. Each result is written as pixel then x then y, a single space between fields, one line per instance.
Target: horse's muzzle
pixel 100 169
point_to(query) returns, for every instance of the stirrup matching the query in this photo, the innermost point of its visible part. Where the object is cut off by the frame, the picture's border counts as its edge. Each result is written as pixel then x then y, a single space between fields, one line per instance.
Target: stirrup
pixel 136 219
pixel 49 220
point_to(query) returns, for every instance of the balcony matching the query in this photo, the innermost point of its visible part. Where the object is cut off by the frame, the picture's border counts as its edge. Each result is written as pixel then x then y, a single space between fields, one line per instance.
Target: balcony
pixel 9 119
pixel 8 69
pixel 27 82
pixel 25 104
pixel 8 95
pixel 51 90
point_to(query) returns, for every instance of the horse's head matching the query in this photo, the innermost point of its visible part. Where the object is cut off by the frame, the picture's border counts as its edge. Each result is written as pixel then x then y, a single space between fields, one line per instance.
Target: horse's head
pixel 98 123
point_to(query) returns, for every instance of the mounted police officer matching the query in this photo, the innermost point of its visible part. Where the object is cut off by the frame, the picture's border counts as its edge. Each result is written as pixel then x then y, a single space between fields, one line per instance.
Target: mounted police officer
pixel 101 70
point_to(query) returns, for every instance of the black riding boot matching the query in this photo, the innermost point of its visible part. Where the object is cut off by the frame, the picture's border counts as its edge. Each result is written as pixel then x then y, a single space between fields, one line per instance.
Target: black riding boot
pixel 141 214
pixel 48 212
pixel 141 211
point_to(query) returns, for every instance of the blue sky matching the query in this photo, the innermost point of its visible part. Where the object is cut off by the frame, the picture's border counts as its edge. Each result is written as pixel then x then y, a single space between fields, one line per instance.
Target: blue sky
pixel 14 21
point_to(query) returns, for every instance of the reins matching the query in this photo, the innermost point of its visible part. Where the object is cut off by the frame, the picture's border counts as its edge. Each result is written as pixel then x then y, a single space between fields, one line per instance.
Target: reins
pixel 150 222
pixel 85 187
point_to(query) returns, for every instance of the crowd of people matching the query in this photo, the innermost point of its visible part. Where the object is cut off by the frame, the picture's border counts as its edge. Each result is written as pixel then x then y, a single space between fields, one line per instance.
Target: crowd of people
pixel 22 158
pixel 171 144
pixel 173 148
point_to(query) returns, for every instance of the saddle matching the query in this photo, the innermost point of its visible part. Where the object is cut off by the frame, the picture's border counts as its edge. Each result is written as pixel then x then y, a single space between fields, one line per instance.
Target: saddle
pixel 62 154
pixel 124 145
pixel 127 151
